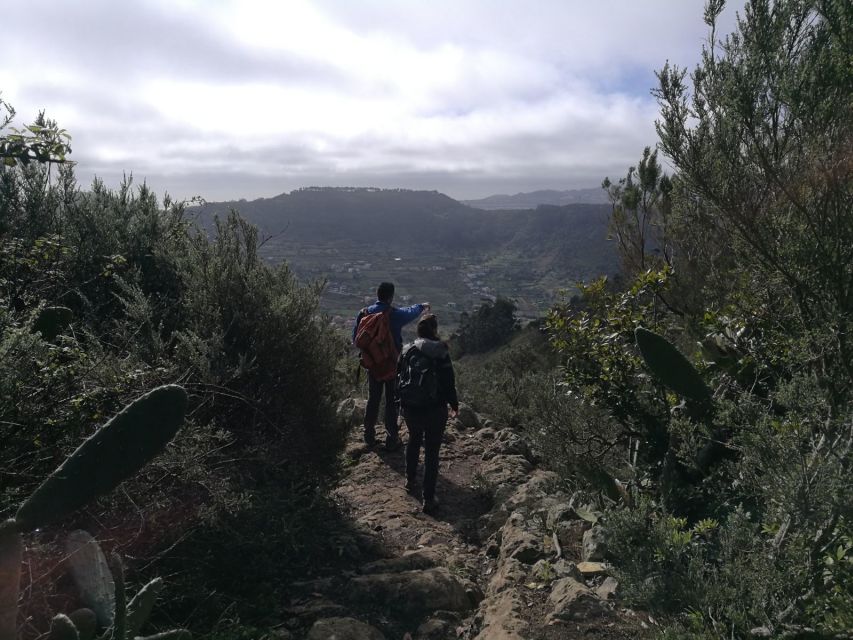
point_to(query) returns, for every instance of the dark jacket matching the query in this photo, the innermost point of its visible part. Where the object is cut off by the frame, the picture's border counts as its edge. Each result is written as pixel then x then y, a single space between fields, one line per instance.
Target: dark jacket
pixel 398 319
pixel 438 351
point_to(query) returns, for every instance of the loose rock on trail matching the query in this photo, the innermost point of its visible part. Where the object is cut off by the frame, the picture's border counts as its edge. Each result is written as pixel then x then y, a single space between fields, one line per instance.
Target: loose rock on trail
pixel 505 557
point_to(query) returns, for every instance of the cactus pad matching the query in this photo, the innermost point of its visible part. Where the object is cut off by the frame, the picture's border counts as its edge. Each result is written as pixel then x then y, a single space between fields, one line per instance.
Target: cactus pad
pixel 92 575
pixel 140 607
pixel 61 628
pixel 671 367
pixel 86 622
pixel 114 453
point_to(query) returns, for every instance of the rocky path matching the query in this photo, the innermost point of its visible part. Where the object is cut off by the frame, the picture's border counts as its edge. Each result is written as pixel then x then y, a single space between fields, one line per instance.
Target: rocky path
pixel 506 556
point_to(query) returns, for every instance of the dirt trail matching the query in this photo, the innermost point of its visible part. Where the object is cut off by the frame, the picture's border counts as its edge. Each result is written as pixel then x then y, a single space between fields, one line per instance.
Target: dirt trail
pixel 374 491
pixel 498 560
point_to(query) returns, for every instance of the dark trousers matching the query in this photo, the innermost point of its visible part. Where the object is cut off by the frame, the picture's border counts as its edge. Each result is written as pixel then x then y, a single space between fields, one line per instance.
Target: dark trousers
pixel 375 389
pixel 425 428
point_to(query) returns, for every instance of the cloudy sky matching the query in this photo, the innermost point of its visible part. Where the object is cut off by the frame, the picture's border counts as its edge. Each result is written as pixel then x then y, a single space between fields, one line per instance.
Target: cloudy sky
pixel 233 99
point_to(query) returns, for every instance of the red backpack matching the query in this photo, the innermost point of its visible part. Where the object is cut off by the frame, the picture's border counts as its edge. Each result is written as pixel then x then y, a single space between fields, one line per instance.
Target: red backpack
pixel 378 351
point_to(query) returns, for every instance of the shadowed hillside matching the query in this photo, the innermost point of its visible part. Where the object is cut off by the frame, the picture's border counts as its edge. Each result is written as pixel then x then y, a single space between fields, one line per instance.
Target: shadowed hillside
pixel 533 199
pixel 433 246
pixel 410 219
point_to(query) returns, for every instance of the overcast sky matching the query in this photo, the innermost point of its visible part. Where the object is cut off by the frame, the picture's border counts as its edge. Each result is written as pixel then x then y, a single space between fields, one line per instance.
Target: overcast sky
pixel 233 99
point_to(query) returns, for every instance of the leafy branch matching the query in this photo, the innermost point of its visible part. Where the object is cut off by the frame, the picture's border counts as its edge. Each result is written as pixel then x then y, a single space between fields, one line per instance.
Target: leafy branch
pixel 42 141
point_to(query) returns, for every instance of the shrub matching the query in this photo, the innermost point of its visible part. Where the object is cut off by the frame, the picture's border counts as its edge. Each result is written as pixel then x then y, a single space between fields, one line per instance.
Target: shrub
pixel 505 381
pixel 155 300
pixel 488 327
pixel 740 516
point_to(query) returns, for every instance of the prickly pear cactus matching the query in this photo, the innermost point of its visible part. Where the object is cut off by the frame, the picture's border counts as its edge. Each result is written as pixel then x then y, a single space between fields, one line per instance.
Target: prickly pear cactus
pixel 140 607
pixel 86 622
pixel 670 367
pixel 62 628
pixel 11 548
pixel 51 321
pixel 114 453
pixel 92 575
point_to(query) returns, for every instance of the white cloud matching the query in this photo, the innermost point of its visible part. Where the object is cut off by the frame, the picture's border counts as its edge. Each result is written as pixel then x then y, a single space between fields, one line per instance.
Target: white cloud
pixel 245 98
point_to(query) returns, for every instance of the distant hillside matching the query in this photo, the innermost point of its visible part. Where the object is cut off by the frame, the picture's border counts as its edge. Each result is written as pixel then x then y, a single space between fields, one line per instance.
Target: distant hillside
pixel 414 220
pixel 533 199
pixel 364 216
pixel 432 246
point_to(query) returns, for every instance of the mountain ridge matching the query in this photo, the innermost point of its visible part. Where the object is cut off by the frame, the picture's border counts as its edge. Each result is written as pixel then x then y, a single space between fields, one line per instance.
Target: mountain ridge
pixel 533 199
pixel 432 246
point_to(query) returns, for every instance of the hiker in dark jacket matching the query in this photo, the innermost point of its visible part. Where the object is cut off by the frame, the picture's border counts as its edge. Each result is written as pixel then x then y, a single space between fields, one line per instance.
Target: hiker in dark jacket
pixel 426 423
pixel 398 318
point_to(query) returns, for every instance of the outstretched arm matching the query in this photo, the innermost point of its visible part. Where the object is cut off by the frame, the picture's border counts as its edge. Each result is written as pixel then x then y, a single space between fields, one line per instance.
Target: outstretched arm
pixel 404 315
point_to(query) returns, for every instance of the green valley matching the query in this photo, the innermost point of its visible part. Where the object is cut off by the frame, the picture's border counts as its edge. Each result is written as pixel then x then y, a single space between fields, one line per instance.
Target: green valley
pixel 434 248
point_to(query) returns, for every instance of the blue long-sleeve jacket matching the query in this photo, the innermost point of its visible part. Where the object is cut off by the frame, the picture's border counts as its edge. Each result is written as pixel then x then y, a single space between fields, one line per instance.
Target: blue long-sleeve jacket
pixel 399 318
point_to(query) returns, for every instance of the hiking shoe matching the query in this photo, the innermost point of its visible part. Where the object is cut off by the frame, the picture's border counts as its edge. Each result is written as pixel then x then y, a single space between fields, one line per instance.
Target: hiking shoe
pixel 430 505
pixel 392 445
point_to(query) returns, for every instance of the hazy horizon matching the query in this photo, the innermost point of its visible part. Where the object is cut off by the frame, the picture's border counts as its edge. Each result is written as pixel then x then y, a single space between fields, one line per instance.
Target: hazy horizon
pixel 249 99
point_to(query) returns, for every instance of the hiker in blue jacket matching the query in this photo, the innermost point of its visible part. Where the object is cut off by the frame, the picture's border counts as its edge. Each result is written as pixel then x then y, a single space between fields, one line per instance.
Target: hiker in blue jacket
pixel 398 318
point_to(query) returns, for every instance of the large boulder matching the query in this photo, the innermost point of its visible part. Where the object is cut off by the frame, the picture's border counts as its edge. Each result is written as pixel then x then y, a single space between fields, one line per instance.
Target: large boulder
pixel 505 473
pixel 510 574
pixel 573 600
pixel 467 417
pixel 507 442
pixel 608 590
pixel 536 496
pixel 559 512
pixel 503 617
pixel 570 535
pixel 518 543
pixel 594 544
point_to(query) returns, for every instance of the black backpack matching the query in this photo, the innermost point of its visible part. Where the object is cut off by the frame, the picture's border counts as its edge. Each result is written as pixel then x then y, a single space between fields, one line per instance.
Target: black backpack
pixel 417 380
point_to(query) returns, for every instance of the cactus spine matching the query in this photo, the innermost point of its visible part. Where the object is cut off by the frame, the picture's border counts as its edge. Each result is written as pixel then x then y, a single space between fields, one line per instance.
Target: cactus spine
pixel 114 453
pixel 671 367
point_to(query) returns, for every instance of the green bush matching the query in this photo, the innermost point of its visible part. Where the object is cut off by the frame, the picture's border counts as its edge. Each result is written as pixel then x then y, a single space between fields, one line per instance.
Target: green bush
pixel 742 408
pixel 154 300
pixel 491 325
pixel 505 381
